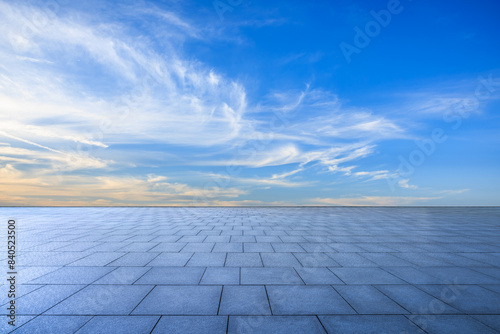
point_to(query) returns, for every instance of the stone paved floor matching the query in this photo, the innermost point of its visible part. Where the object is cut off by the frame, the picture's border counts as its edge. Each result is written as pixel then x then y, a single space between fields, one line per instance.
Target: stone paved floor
pixel 255 270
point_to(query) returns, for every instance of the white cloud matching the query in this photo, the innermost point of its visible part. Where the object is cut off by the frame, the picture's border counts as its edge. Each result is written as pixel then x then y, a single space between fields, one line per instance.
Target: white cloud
pixel 372 201
pixel 181 102
pixel 223 180
pixel 73 85
pixel 453 192
pixel 404 184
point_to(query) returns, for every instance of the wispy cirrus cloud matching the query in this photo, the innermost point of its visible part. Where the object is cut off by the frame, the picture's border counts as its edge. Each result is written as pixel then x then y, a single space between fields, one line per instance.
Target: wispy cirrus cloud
pixel 111 106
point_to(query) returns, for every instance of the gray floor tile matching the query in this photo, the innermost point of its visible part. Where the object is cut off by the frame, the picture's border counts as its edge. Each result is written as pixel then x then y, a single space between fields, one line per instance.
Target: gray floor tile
pixel 287 247
pixel 192 239
pixel 20 290
pixel 257 247
pixel 255 276
pixel 5 327
pixel 316 260
pixel 368 324
pixel 191 325
pixel 42 299
pixel 73 275
pixel 490 271
pixel 455 324
pixel 268 238
pixel 413 275
pixel 97 259
pixel 50 259
pixel 456 260
pixel 221 276
pixel 134 259
pixel 304 300
pixel 365 299
pixel 461 275
pixel 494 287
pixel 172 275
pixel 207 260
pixel 170 260
pixel 415 300
pixel 102 300
pixel 471 299
pixel 199 247
pixel 487 258
pixel 120 324
pixel 275 325
pixel 492 321
pixel 171 247
pixel 243 238
pixel 183 300
pixel 243 260
pixel 318 276
pixel 365 276
pixel 352 260
pixel 53 324
pixel 218 238
pixel 244 300
pixel 386 259
pixel 138 247
pixel 346 247
pixel 123 275
pixel 421 259
pixel 228 247
pixel 27 274
pixel 280 260
pixel 316 247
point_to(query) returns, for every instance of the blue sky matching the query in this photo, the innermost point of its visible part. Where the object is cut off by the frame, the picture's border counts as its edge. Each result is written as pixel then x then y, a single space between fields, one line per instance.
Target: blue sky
pixel 238 102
